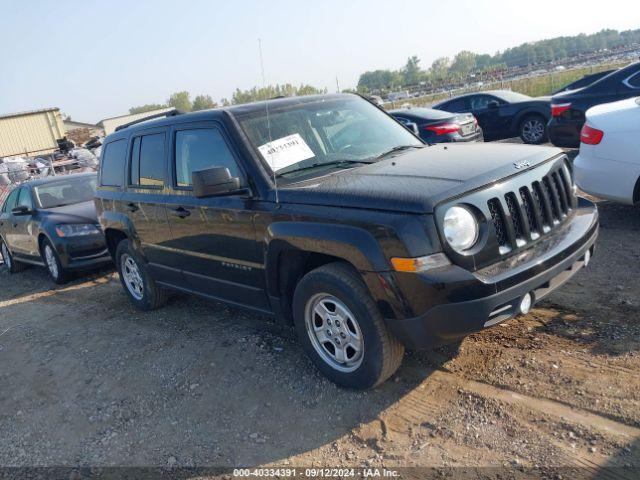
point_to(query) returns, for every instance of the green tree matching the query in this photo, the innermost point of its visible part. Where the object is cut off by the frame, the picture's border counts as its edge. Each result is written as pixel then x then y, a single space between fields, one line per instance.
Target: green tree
pixel 411 72
pixel 181 101
pixel 271 91
pixel 203 102
pixel 379 80
pixel 440 68
pixel 464 62
pixel 146 108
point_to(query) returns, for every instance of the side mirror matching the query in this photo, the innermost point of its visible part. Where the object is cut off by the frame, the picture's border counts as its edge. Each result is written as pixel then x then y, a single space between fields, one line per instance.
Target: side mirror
pixel 493 105
pixel 412 127
pixel 214 181
pixel 21 210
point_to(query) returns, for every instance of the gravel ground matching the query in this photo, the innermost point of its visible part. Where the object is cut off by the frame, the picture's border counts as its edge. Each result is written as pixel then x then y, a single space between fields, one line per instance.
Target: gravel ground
pixel 87 380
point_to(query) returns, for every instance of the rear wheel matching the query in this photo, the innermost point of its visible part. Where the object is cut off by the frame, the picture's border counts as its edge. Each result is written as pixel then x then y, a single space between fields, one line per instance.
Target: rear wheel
pixel 52 262
pixel 12 265
pixel 533 130
pixel 142 290
pixel 341 329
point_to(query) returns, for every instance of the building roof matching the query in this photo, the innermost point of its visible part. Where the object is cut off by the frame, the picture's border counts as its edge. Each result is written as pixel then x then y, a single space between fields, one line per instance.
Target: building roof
pixel 28 112
pixel 150 112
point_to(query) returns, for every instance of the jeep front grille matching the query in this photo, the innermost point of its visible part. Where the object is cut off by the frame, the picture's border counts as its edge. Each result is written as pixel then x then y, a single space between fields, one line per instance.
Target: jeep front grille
pixel 523 216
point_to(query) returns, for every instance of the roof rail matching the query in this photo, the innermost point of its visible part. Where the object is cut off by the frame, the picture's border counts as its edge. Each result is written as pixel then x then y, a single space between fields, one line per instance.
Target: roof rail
pixel 170 113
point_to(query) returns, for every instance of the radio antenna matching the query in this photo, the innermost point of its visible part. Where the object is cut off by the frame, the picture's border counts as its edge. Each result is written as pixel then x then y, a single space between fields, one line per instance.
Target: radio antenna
pixel 266 108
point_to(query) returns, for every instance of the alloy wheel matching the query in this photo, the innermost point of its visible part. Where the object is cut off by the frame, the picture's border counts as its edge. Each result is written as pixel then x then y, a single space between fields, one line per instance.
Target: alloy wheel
pixel 6 256
pixel 131 276
pixel 50 258
pixel 533 130
pixel 334 332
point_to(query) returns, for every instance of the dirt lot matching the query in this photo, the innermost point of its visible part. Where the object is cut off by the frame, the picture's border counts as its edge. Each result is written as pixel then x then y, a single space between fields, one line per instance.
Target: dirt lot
pixel 87 380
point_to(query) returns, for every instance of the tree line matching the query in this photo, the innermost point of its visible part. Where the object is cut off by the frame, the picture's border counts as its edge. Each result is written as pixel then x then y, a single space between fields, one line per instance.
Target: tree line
pixel 182 100
pixel 467 62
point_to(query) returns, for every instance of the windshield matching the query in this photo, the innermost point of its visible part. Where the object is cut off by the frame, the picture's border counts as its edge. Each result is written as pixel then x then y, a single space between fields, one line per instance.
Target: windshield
pixel 323 133
pixel 65 192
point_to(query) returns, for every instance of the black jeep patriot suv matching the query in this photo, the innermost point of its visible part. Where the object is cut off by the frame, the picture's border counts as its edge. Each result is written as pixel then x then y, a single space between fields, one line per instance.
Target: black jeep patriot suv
pixel 326 211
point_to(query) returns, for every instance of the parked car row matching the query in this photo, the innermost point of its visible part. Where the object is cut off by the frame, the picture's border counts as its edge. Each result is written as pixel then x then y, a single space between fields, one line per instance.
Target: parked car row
pixel 323 211
pixel 505 114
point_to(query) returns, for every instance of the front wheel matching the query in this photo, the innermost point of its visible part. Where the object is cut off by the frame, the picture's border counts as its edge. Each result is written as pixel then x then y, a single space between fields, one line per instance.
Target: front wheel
pixel 533 130
pixel 341 329
pixel 52 261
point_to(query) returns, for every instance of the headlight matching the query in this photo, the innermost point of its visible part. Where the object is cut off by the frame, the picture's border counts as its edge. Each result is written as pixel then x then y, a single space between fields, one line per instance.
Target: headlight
pixel 77 230
pixel 460 228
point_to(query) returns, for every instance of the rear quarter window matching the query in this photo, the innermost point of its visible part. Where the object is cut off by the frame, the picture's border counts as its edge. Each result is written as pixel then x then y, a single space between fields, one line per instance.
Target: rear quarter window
pixel 112 163
pixel 634 81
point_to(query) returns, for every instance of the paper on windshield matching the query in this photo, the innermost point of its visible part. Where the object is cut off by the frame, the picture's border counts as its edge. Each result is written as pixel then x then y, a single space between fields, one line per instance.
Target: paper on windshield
pixel 285 151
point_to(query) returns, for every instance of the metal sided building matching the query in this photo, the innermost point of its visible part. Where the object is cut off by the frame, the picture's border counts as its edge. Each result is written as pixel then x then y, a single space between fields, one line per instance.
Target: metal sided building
pixel 30 133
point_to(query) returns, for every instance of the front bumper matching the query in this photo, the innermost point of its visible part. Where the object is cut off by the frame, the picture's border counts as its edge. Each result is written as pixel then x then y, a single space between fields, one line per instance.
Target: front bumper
pixel 494 294
pixel 82 252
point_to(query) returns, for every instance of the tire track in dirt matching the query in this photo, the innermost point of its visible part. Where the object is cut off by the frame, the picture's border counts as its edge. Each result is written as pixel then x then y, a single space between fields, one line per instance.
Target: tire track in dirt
pixel 414 407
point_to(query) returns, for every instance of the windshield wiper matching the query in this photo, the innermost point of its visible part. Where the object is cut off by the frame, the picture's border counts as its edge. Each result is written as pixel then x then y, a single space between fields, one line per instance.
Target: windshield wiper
pixel 323 164
pixel 398 148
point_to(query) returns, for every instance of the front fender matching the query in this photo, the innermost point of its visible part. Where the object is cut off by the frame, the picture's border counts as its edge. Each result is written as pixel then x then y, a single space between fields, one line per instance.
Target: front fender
pixel 355 245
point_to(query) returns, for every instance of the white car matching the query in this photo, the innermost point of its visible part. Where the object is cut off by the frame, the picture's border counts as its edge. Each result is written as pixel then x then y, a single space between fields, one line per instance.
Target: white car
pixel 608 164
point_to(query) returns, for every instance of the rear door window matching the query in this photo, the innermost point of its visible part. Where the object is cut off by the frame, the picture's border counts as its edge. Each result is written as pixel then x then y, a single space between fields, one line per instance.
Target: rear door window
pixel 458 105
pixel 112 163
pixel 199 149
pixel 480 102
pixel 147 160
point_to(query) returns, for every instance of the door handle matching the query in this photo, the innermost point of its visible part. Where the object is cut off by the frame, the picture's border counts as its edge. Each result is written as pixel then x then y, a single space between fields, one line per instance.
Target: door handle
pixel 132 207
pixel 181 212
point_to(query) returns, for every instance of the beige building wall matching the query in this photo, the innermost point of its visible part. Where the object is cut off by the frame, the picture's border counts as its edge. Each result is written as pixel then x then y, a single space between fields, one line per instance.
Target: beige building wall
pixel 31 133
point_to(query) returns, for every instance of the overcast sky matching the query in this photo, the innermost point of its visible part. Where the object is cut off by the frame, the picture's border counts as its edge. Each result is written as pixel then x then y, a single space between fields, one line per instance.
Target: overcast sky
pixel 96 59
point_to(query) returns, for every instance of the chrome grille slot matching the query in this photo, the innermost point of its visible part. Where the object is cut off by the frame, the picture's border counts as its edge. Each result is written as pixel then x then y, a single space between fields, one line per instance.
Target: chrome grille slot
pixel 516 218
pixel 559 188
pixel 527 203
pixel 553 199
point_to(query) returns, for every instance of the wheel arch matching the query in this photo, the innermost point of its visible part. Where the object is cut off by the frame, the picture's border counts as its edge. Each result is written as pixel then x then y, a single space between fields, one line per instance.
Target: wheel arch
pixel 525 114
pixel 296 248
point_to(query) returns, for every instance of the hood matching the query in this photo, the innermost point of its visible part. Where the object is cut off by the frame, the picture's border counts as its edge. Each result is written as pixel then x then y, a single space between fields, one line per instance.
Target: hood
pixel 417 180
pixel 84 212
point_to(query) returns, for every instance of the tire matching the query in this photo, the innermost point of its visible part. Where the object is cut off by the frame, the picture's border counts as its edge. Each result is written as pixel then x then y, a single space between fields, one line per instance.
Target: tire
pixel 7 257
pixel 141 289
pixel 52 263
pixel 533 130
pixel 338 284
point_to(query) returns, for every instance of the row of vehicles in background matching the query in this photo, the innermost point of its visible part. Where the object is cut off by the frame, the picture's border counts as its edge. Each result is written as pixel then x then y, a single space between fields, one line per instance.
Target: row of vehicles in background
pixel 502 114
pixel 324 212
